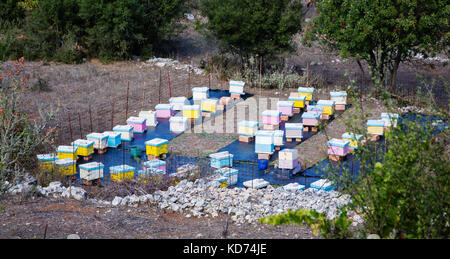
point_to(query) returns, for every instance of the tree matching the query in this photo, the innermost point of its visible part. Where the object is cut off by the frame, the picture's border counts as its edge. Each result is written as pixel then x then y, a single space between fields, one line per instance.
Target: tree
pixel 10 10
pixel 384 33
pixel 253 27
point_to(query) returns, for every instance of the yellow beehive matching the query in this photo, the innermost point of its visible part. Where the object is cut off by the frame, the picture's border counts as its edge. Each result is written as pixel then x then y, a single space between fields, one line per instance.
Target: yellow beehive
pixel 375 127
pixel 46 161
pixel 85 147
pixel 306 91
pixel 66 166
pixel 352 138
pixel 191 111
pixel 67 152
pixel 299 101
pixel 328 106
pixel 156 147
pixel 209 105
pixel 121 172
pixel 248 128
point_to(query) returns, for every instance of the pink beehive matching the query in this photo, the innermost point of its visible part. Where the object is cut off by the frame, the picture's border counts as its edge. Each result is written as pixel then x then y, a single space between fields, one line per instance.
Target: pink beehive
pixel 310 119
pixel 338 147
pixel 164 110
pixel 271 117
pixel 155 163
pixel 139 124
pixel 286 107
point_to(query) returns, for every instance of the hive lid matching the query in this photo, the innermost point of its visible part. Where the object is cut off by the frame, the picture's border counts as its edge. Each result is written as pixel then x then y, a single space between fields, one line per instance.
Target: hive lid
pixel 226 171
pixel 156 142
pixel 150 171
pixel 67 149
pixel 164 106
pixel 322 183
pixel 293 126
pixel 290 150
pixel 250 124
pixel 338 94
pixel 137 120
pixel 113 134
pixel 65 162
pixel 194 107
pixel 200 89
pixel 179 99
pixel 154 163
pixel 326 102
pixel 123 128
pixel 147 113
pixel 273 113
pixel 297 98
pixel 305 90
pixel 278 133
pixel 47 157
pixel 82 143
pixel 221 155
pixel 211 101
pixel 96 135
pixel 92 166
pixel 285 104
pixel 349 135
pixel 385 115
pixel 338 142
pixel 264 133
pixel 237 83
pixel 375 123
pixel 310 115
pixel 314 108
pixel 178 119
pixel 121 168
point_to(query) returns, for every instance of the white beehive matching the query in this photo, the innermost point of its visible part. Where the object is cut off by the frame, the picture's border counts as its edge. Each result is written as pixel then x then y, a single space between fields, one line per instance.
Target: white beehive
pixel 178 102
pixel 150 117
pixel 91 171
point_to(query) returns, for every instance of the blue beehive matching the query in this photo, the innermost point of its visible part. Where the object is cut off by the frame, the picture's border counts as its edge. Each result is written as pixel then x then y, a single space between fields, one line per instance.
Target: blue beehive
pixel 114 138
pixel 264 142
pixel 230 174
pixel 263 164
pixel 221 159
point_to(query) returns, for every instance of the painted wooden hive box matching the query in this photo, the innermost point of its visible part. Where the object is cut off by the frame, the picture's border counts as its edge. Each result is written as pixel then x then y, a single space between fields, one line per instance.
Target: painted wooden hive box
pixel 322 184
pixel 100 140
pixel 237 87
pixel 114 138
pixel 293 187
pixel 339 97
pixel 200 93
pixel 67 152
pixel 66 166
pixel 352 138
pixel 286 108
pixel 315 109
pixel 119 173
pixel 178 124
pixel 91 171
pixel 310 119
pixel 299 101
pixel 271 117
pixel 328 106
pixel 85 147
pixel 178 102
pixel 264 142
pixel 221 159
pixel 156 146
pixel 248 128
pixel 46 161
pixel 306 91
pixel 150 118
pixel 155 163
pixel 278 137
pixel 294 130
pixel 390 119
pixel 229 174
pixel 126 132
pixel 375 127
pixel 209 105
pixel 338 147
pixel 191 111
pixel 164 110
pixel 139 124
pixel 145 175
pixel 288 158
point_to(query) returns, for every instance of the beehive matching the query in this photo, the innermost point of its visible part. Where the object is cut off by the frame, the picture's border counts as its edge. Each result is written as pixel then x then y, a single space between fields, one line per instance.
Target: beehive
pixel 294 130
pixel 286 107
pixel 164 110
pixel 209 105
pixel 339 97
pixel 85 147
pixel 139 124
pixel 278 136
pixel 156 146
pixel 119 173
pixel 248 128
pixel 256 183
pixel 46 161
pixel 67 152
pixel 191 111
pixel 315 109
pixel 299 101
pixel 100 140
pixel 310 119
pixel 375 127
pixel 91 171
pixel 66 166
pixel 328 106
pixel 306 91
pixel 390 119
pixel 288 158
pixel 230 174
pixel 264 142
pixel 179 102
pixel 338 147
pixel 200 93
pixel 178 124
pixel 237 87
pixel 352 138
pixel 114 138
pixel 126 132
pixel 150 118
pixel 155 163
pixel 221 159
pixel 322 184
pixel 271 117
pixel 293 187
